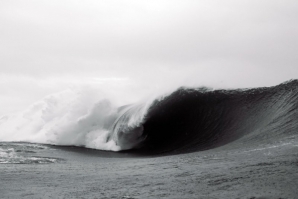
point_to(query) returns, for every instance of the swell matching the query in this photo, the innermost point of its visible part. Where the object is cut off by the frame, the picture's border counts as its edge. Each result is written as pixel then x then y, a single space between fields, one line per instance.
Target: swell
pixel 191 120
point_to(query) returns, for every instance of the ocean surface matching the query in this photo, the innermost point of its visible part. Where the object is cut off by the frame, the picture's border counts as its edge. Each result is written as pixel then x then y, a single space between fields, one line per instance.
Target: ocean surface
pixel 190 143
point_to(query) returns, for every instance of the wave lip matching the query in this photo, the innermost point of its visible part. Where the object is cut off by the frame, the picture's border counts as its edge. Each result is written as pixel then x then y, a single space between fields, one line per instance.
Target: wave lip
pixel 128 129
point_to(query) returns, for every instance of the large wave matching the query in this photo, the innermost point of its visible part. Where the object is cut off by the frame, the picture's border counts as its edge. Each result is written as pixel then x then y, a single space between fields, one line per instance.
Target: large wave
pixel 186 120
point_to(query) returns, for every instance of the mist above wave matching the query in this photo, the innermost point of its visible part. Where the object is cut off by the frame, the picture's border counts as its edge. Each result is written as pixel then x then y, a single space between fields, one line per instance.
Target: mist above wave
pixel 77 117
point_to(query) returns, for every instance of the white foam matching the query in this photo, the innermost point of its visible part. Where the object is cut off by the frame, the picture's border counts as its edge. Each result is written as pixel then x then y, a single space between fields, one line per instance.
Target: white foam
pixel 9 156
pixel 73 117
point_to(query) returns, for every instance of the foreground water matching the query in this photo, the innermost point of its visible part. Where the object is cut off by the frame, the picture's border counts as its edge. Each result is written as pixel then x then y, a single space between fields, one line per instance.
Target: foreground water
pixel 38 171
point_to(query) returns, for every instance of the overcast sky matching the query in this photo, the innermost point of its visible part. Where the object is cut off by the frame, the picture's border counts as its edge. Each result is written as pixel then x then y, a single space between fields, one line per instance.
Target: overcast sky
pixel 48 46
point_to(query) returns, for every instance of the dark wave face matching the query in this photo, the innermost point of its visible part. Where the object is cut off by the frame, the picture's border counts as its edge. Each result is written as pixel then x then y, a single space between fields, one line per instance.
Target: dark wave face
pixel 191 120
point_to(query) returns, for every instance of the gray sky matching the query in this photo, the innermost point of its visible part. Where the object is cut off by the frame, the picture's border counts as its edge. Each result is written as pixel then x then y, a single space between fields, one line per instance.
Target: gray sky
pixel 140 46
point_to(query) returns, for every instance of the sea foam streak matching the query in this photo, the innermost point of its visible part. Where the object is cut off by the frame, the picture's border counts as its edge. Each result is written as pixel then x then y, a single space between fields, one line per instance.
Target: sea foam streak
pixel 73 118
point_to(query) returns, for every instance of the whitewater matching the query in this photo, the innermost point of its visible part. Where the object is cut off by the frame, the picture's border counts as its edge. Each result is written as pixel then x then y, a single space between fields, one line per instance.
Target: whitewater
pixel 75 117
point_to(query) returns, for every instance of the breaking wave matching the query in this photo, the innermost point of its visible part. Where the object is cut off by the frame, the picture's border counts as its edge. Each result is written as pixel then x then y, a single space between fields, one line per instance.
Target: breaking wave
pixel 72 117
pixel 186 120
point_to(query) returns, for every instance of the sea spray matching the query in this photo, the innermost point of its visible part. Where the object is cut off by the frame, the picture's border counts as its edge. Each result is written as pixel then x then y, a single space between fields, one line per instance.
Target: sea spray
pixel 73 117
